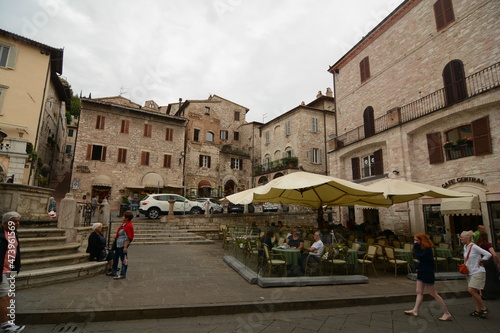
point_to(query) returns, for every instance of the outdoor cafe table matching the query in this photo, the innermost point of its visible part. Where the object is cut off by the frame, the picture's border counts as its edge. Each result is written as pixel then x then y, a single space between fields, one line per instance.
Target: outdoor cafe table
pixel 291 255
pixel 352 259
pixel 405 255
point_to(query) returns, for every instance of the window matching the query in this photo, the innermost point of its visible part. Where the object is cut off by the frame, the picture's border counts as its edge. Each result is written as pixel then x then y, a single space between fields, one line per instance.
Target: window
pixel 124 126
pixel 100 122
pixel 369 122
pixel 314 124
pixel 454 82
pixel 196 135
pixel 204 161
pixel 266 163
pixel 148 128
pixel 96 153
pixel 68 149
pixel 3 92
pixel 236 163
pixel 268 140
pixel 145 158
pixel 443 12
pixel 371 165
pixel 236 136
pixel 288 127
pixel 122 155
pixel 472 139
pixel 224 135
pixel 169 134
pixel 71 132
pixel 210 137
pixel 364 69
pixel 236 116
pixel 167 161
pixel 8 56
pixel 316 155
pixel 207 110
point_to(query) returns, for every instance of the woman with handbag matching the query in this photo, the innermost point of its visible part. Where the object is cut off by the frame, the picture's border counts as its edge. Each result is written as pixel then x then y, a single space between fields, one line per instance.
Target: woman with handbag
pixel 425 275
pixel 476 276
pixel 124 236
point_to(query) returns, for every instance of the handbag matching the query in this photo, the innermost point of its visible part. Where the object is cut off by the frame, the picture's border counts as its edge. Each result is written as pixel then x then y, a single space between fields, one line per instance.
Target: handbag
pixel 462 268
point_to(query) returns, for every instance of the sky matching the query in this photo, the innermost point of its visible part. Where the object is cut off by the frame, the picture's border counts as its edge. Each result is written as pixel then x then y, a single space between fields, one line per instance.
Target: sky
pixel 268 56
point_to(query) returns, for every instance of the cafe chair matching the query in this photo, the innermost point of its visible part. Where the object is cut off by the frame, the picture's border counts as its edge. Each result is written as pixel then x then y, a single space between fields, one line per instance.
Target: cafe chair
pixel 393 261
pixel 444 246
pixel 396 244
pixel 381 257
pixel 408 247
pixel 274 260
pixel 312 268
pixel 307 243
pixel 369 259
pixel 333 260
pixel 439 260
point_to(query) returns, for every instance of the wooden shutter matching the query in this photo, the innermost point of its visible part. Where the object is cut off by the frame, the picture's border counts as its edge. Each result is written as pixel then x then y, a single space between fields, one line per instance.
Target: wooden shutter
pixel 209 161
pixel 200 161
pixel 481 136
pixel 443 12
pixel 125 126
pixel 434 145
pixel 241 164
pixel 364 69
pixel 103 156
pixel 89 152
pixel 356 172
pixel 147 130
pixel 369 122
pixel 11 58
pixel 167 161
pixel 378 163
pixel 169 134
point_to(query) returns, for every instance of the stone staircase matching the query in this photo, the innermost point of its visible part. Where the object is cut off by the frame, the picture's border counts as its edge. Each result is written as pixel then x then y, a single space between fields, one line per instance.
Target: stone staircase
pixel 47 258
pixel 151 232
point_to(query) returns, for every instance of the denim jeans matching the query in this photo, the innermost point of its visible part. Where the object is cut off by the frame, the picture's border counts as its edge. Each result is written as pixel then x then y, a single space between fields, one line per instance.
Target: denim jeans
pixel 119 254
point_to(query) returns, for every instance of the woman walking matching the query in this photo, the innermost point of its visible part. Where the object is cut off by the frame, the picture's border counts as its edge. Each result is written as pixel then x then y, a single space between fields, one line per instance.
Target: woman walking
pixel 476 278
pixel 492 284
pixel 124 236
pixel 425 276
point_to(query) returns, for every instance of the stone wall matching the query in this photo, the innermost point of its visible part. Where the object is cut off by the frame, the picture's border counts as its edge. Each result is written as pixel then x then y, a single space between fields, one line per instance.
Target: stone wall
pixel 29 201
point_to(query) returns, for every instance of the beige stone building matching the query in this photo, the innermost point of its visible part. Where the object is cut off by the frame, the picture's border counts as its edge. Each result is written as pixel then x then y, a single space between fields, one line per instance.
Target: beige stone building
pixel 124 150
pixel 296 140
pixel 32 111
pixel 219 146
pixel 418 99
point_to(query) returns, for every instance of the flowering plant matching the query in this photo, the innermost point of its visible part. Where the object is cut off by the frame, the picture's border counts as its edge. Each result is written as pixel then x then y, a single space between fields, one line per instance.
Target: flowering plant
pixel 447 144
pixel 339 249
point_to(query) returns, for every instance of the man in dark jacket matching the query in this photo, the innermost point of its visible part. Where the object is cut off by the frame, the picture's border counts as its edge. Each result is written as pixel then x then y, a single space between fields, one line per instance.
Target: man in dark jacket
pixel 10 257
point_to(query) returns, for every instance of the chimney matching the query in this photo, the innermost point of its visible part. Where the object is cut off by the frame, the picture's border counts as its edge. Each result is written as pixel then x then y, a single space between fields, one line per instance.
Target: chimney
pixel 329 92
pixel 319 94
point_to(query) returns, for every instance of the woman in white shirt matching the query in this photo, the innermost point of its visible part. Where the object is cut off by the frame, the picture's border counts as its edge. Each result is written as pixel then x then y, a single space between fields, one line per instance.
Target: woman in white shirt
pixel 476 277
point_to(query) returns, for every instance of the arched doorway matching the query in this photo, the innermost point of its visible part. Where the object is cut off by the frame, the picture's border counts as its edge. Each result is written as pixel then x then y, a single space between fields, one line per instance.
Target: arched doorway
pixel 204 189
pixel 229 188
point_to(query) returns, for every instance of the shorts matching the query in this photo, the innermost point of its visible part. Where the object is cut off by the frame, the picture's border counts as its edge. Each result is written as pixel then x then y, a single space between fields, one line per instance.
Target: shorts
pixel 5 284
pixel 427 278
pixel 476 280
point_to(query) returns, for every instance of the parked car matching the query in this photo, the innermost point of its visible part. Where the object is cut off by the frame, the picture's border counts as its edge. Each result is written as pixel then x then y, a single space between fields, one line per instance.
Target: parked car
pixel 273 207
pixel 215 206
pixel 239 208
pixel 155 205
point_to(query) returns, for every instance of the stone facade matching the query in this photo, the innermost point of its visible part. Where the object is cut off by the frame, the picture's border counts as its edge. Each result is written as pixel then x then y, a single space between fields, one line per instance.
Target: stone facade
pixel 111 127
pixel 408 59
pixel 302 133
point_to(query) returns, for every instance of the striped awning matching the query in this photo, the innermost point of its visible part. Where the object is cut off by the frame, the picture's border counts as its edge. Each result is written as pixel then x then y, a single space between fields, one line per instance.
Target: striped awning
pixel 102 180
pixel 461 206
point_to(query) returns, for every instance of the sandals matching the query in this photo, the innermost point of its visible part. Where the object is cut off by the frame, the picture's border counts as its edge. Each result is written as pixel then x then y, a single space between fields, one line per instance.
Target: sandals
pixel 481 314
pixel 410 313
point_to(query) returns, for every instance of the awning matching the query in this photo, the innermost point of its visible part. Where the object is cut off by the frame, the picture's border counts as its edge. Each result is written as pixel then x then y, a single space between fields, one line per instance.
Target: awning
pixel 204 183
pixel 152 179
pixel 102 180
pixel 460 206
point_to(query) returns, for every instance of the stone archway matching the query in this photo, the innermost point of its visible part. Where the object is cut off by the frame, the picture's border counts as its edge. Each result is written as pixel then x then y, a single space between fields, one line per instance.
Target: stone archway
pixel 229 187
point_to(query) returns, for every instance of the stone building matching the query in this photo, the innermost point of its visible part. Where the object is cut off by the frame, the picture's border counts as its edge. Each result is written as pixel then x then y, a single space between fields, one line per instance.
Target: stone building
pixel 219 146
pixel 32 111
pixel 296 140
pixel 417 99
pixel 125 150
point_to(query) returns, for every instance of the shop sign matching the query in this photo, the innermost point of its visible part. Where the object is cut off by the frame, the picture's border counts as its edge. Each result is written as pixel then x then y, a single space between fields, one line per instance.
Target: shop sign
pixel 463 180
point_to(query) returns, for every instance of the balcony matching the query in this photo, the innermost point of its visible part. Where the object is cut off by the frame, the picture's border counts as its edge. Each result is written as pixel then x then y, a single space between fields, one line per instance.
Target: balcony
pixel 475 84
pixel 277 165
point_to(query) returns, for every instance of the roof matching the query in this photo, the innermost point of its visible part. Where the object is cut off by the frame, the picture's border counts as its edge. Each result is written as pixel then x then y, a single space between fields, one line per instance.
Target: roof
pixel 56 55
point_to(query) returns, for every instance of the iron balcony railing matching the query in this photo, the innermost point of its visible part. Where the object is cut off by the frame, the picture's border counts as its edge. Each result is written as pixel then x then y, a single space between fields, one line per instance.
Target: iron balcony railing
pixel 473 85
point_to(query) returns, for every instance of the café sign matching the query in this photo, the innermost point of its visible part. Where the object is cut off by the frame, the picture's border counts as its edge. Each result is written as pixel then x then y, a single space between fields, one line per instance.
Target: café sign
pixel 463 180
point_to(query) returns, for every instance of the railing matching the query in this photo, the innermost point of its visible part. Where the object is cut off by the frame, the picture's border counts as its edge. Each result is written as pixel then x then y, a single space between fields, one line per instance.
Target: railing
pixel 473 85
pixel 277 165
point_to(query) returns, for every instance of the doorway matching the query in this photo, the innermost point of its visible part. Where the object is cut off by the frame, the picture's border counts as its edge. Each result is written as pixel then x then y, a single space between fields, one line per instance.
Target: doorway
pixel 463 223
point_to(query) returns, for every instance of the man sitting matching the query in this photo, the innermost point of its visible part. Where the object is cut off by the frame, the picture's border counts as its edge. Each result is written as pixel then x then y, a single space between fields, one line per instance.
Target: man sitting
pixel 313 253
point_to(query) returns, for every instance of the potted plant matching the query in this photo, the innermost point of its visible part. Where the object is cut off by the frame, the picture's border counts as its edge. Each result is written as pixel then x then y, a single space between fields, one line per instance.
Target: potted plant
pixel 447 145
pixel 461 142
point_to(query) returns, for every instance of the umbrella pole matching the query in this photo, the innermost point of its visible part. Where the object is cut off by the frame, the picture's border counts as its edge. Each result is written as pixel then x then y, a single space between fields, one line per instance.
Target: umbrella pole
pixel 320 219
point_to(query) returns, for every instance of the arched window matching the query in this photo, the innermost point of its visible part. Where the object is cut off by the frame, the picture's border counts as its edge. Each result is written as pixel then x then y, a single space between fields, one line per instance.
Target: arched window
pixel 210 136
pixel 454 82
pixel 369 122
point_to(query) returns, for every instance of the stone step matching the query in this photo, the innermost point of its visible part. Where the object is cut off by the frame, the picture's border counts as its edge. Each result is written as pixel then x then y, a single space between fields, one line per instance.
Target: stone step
pixel 42 241
pixel 186 242
pixel 48 251
pixel 45 276
pixel 165 234
pixel 40 232
pixel 167 238
pixel 53 261
pixel 39 223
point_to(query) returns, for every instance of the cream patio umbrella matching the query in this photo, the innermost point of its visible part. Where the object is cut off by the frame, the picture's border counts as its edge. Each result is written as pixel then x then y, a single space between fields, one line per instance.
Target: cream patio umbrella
pixel 311 190
pixel 398 191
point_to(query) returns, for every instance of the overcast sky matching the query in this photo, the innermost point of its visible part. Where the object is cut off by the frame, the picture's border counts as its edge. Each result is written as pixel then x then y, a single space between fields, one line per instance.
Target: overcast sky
pixel 268 56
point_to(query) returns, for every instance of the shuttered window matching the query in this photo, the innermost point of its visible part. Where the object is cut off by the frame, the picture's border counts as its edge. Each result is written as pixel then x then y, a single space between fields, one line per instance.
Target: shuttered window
pixel 369 122
pixel 167 161
pixel 236 163
pixel 443 12
pixel 100 122
pixel 125 126
pixel 356 172
pixel 364 69
pixel 481 136
pixel 122 155
pixel 96 153
pixel 204 161
pixel 148 129
pixel 434 145
pixel 8 55
pixel 378 163
pixel 145 158
pixel 169 134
